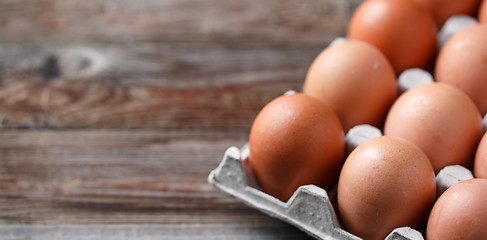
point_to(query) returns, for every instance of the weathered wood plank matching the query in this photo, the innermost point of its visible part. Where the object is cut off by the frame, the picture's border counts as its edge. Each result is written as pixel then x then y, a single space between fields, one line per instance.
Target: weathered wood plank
pixel 59 104
pixel 117 176
pixel 279 21
pixel 174 65
pixel 144 87
pixel 122 155
pixel 159 232
pixel 118 64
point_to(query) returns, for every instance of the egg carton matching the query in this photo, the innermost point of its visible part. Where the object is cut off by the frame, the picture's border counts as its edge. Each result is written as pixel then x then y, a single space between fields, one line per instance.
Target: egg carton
pixel 310 208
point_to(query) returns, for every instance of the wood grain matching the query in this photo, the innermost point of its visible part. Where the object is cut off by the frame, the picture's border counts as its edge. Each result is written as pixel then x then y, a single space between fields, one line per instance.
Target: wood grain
pixel 60 105
pixel 123 232
pixel 118 64
pixel 113 113
pixel 226 91
pixel 132 177
pixel 117 177
pixel 126 21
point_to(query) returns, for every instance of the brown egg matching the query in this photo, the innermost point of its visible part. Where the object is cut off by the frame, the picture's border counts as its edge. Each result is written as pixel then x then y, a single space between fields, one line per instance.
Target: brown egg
pixel 480 164
pixel 385 183
pixel 443 9
pixel 439 119
pixel 355 80
pixel 462 62
pixel 460 212
pixel 483 12
pixel 404 30
pixel 296 140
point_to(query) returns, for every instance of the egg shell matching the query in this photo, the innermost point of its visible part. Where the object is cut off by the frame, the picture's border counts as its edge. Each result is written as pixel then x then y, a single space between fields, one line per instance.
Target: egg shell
pixel 385 183
pixel 404 30
pixel 296 140
pixel 441 120
pixel 462 62
pixel 444 9
pixel 342 76
pixel 482 15
pixel 460 212
pixel 480 164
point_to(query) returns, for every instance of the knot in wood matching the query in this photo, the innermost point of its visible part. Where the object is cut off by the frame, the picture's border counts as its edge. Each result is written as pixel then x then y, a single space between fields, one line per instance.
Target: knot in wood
pixel 81 62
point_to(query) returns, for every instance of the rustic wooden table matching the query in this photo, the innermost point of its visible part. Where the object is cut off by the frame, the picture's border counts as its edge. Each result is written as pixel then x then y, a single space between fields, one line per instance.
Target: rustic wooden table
pixel 113 113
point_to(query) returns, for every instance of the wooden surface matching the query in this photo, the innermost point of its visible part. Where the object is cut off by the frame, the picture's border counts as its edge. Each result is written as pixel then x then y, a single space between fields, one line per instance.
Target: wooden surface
pixel 113 113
